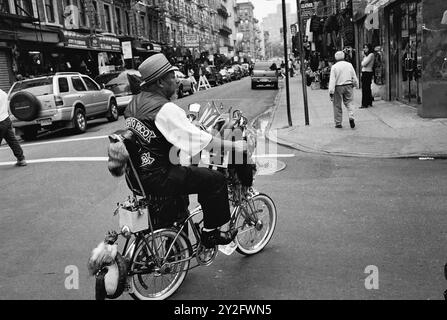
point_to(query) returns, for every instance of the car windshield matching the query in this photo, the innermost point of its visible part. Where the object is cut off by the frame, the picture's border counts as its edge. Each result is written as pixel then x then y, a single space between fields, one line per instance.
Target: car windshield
pixel 179 74
pixel 266 66
pixel 116 81
pixel 38 87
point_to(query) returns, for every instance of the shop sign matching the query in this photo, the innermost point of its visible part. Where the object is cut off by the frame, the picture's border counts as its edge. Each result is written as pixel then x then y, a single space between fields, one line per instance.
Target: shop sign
pixel 307 9
pixel 94 42
pixel 109 43
pixel 127 49
pixel 361 8
pixel 156 47
pixel 75 40
pixel 191 40
pixel 224 51
pixel 71 17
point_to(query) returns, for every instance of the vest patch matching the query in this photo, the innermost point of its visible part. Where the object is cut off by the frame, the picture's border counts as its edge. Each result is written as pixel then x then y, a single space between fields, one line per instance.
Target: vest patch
pixel 140 128
pixel 146 159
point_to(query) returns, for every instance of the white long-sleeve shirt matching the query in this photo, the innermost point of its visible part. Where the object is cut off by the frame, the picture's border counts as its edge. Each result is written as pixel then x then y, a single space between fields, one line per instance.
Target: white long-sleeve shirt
pixel 342 73
pixel 177 129
pixel 3 105
pixel 368 63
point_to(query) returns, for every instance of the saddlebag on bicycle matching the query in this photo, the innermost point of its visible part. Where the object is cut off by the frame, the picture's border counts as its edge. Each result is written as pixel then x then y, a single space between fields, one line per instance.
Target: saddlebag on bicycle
pixel 165 212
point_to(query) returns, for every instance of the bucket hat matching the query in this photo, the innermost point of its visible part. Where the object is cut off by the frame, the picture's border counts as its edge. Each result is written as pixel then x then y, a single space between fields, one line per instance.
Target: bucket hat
pixel 155 67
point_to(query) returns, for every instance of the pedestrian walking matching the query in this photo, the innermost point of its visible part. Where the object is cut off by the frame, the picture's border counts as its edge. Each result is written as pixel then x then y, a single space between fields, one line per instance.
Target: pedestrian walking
pixel 341 82
pixel 367 75
pixel 6 131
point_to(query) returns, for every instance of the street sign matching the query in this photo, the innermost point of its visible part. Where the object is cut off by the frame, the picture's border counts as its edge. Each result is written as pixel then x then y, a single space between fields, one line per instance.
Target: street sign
pixel 191 40
pixel 127 49
pixel 307 10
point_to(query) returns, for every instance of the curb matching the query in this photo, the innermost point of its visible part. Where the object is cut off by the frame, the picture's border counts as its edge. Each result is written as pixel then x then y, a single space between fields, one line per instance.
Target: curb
pixel 303 148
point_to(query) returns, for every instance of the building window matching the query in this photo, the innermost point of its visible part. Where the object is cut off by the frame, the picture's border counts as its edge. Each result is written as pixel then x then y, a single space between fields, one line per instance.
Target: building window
pixel 143 24
pixel 126 16
pixel 108 18
pixel 25 8
pixel 97 19
pixel 49 10
pixel 118 21
pixel 82 13
pixel 4 6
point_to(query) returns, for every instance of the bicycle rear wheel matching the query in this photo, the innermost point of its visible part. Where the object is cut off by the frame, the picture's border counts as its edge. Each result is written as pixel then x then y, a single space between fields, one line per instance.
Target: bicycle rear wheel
pixel 256 222
pixel 149 280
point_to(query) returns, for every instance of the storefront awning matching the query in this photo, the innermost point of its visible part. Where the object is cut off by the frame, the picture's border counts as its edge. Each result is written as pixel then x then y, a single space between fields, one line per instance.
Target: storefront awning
pixel 362 8
pixel 41 34
pixel 76 40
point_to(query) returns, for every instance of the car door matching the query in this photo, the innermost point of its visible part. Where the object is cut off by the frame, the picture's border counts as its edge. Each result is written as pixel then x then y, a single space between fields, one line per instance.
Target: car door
pixel 81 94
pixel 99 98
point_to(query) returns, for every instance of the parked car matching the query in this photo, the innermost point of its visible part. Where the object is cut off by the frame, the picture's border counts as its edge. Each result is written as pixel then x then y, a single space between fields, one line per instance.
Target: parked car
pixel 264 73
pixel 65 99
pixel 184 84
pixel 226 77
pixel 234 72
pixel 213 76
pixel 238 70
pixel 245 69
pixel 118 82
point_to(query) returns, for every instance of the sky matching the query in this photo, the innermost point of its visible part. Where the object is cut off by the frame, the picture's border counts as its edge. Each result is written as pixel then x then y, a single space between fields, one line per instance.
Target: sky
pixel 264 7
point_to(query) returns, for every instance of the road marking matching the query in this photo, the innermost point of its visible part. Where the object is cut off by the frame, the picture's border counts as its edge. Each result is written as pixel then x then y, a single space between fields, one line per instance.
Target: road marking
pixel 274 155
pixel 57 141
pixel 65 159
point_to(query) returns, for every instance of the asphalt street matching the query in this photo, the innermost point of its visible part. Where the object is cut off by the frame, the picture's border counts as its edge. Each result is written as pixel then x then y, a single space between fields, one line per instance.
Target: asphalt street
pixel 337 217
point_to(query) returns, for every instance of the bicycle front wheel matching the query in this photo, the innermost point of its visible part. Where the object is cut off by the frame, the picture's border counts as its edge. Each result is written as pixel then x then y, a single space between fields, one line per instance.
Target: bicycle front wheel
pixel 156 275
pixel 256 222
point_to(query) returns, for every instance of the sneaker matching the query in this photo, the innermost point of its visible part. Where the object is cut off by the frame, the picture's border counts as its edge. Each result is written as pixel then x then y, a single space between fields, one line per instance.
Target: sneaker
pixel 21 163
pixel 339 126
pixel 210 239
pixel 352 123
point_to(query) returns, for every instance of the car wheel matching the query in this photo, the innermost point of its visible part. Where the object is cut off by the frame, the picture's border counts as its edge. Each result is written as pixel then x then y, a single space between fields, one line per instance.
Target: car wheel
pixel 113 114
pixel 191 91
pixel 79 121
pixel 25 106
pixel 180 92
pixel 253 86
pixel 275 86
pixel 29 133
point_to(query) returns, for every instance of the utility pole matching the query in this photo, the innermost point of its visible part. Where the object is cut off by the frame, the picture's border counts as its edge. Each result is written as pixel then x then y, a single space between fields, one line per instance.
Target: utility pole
pixel 303 78
pixel 286 60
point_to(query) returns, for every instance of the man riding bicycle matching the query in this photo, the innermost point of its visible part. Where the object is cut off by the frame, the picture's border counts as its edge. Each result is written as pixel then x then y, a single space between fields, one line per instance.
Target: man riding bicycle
pixel 160 129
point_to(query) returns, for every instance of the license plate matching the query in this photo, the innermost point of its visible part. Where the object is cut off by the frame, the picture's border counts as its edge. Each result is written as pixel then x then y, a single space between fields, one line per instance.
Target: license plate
pixel 264 80
pixel 45 122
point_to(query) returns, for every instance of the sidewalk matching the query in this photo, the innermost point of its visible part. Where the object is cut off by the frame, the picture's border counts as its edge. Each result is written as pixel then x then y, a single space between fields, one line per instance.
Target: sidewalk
pixel 387 130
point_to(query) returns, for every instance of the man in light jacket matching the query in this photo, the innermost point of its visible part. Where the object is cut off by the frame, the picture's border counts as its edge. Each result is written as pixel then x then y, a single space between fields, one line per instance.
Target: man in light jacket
pixel 7 132
pixel 341 83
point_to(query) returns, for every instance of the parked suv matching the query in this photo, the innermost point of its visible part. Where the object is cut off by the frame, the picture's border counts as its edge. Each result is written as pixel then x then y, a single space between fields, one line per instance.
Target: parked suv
pixel 66 99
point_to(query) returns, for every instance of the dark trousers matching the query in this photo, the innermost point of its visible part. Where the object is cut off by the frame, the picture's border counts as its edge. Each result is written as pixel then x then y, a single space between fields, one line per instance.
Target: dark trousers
pixel 209 185
pixel 367 98
pixel 7 133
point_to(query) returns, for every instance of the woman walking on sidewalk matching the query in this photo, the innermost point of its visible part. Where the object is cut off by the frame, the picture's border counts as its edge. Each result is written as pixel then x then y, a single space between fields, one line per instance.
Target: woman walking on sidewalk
pixel 367 75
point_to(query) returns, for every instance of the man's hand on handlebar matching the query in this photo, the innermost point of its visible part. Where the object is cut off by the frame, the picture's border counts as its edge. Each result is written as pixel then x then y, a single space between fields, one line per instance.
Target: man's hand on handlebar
pixel 240 146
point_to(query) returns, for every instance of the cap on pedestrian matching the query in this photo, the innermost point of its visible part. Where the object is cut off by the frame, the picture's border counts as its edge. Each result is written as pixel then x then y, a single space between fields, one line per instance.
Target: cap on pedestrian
pixel 154 68
pixel 339 55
